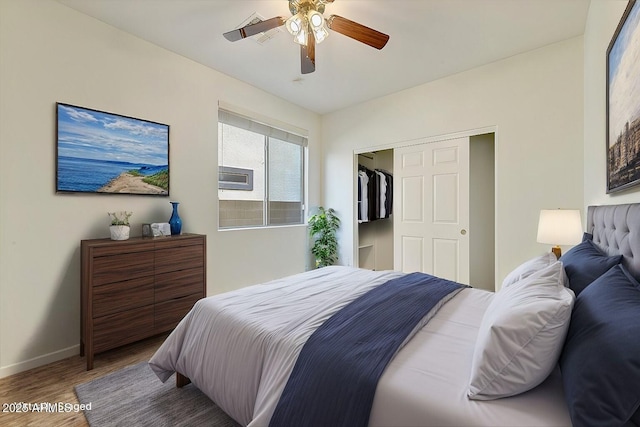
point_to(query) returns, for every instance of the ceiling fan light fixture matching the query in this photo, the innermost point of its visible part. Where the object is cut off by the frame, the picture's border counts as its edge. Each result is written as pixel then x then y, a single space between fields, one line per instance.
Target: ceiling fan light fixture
pixel 320 34
pixel 295 24
pixel 317 25
pixel 316 20
pixel 301 36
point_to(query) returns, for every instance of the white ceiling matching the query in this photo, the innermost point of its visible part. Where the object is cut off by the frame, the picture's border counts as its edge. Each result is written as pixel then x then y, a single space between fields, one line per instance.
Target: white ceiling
pixel 429 39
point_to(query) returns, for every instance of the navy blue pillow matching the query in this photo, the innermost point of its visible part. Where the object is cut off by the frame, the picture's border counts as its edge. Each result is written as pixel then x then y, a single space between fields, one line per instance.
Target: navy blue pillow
pixel 600 361
pixel 584 263
pixel 587 236
pixel 635 420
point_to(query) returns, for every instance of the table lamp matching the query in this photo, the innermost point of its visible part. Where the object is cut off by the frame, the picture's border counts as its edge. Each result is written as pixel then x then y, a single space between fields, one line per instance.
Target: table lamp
pixel 559 227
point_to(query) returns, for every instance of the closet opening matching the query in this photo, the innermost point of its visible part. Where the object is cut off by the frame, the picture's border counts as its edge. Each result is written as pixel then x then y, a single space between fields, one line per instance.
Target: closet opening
pixel 374 239
pixel 375 210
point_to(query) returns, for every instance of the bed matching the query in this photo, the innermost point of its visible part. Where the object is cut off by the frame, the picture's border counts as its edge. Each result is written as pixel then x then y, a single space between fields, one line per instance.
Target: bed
pixel 458 366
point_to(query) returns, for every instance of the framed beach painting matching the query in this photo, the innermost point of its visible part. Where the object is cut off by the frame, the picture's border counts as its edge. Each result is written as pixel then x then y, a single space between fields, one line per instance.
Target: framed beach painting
pixel 623 102
pixel 106 153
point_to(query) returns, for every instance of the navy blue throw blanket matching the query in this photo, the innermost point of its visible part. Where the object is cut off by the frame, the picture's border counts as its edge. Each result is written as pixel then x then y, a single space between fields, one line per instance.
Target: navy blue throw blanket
pixel 334 380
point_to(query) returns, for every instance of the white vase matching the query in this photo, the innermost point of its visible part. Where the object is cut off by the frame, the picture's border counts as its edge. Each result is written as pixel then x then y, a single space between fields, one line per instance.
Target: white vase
pixel 119 232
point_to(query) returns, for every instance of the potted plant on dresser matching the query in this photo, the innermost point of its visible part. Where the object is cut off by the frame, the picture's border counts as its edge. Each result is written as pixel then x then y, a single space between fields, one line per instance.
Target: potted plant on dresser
pixel 120 225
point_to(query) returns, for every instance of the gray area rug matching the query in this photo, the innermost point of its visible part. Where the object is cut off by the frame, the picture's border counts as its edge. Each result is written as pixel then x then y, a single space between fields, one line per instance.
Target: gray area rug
pixel 134 396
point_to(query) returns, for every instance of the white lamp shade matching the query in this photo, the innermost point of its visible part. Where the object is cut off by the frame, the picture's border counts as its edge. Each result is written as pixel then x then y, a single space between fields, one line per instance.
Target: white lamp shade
pixel 560 227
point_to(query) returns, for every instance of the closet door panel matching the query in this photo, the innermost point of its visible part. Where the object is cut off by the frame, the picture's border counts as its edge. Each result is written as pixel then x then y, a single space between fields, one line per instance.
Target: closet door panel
pixel 432 181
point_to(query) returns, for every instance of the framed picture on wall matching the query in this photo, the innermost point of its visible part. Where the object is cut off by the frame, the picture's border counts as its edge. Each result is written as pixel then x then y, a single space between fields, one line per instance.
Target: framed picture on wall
pixel 106 153
pixel 623 102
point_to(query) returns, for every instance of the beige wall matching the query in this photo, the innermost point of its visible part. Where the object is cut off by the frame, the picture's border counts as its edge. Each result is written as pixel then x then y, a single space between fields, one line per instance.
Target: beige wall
pixel 482 204
pixel 51 53
pixel 533 101
pixel 602 21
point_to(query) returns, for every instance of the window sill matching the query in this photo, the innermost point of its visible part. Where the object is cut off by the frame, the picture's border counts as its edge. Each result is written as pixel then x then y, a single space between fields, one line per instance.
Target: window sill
pixel 261 227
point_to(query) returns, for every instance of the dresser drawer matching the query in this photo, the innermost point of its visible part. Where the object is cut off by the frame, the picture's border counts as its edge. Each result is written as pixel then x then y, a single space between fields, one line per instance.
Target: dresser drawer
pixel 179 241
pixel 181 258
pixel 121 296
pixel 119 267
pixel 179 284
pixel 169 313
pixel 107 247
pixel 122 328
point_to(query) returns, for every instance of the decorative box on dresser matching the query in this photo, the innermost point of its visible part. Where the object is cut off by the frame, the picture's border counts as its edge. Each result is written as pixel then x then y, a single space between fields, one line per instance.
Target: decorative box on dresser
pixel 133 289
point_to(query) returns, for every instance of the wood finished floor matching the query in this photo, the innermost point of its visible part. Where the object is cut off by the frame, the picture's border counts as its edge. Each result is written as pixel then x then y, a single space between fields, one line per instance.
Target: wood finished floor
pixel 55 383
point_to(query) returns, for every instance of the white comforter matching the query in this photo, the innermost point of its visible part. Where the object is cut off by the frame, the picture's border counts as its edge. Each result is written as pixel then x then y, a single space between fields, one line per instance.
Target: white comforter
pixel 240 347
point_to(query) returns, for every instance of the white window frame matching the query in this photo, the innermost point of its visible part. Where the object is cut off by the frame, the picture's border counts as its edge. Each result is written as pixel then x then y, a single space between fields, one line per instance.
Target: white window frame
pixel 269 128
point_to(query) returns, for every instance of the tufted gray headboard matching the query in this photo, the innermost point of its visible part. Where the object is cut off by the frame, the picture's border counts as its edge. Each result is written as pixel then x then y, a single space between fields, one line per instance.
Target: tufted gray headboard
pixel 616 230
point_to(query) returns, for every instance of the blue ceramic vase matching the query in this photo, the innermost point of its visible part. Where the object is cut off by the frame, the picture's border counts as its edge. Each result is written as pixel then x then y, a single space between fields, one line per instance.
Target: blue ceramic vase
pixel 175 222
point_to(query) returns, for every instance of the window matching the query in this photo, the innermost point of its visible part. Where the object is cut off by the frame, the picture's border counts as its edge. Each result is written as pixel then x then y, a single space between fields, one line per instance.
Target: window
pixel 260 173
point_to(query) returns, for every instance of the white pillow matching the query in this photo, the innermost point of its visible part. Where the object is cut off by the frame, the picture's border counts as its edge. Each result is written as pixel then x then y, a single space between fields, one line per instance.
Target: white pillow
pixel 521 335
pixel 527 268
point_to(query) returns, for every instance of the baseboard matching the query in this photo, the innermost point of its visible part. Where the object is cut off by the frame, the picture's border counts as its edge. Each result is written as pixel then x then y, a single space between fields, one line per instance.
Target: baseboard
pixel 36 362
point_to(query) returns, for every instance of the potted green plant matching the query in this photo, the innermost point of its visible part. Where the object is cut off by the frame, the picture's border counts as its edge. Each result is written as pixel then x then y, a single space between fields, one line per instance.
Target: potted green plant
pixel 120 227
pixel 322 229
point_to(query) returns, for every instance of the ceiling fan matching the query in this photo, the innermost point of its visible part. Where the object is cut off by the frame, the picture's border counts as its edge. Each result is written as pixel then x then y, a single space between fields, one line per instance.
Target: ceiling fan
pixel 308 26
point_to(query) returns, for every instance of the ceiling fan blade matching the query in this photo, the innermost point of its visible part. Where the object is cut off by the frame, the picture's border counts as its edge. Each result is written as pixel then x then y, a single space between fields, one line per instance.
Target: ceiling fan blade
pixel 308 56
pixel 253 29
pixel 357 31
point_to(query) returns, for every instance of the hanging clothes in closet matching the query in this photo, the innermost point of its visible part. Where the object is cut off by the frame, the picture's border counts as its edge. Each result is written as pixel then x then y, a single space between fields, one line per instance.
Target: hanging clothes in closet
pixel 363 193
pixel 375 194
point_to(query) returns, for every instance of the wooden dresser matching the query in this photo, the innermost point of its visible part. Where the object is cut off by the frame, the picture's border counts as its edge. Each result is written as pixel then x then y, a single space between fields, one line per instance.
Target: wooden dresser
pixel 133 289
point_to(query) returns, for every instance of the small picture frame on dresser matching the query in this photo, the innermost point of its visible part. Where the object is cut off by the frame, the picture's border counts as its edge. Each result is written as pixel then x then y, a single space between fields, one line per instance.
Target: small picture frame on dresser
pixel 146 230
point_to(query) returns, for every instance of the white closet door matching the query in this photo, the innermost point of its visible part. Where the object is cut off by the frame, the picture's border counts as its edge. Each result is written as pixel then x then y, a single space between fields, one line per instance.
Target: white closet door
pixel 431 209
